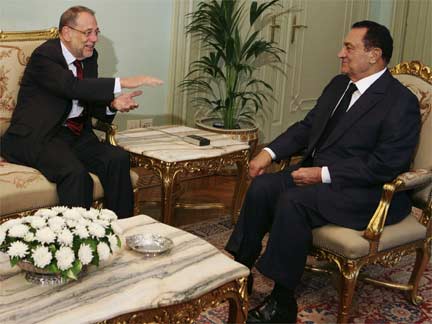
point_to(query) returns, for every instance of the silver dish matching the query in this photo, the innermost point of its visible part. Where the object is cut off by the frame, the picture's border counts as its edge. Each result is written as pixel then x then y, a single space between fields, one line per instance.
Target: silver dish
pixel 149 244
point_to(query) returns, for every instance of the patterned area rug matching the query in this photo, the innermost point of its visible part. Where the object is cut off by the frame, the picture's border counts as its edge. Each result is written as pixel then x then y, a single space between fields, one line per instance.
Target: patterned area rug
pixel 317 297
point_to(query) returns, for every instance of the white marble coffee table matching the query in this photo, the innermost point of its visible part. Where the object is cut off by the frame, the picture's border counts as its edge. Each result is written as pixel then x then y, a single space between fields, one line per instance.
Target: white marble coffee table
pixel 171 288
pixel 162 150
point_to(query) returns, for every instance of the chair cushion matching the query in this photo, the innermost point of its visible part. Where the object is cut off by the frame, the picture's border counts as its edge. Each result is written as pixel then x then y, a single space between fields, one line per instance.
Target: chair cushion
pixel 351 243
pixel 24 188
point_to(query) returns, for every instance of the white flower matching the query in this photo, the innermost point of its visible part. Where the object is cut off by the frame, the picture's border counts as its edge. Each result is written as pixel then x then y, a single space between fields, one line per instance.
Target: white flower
pixel 71 223
pixel 116 228
pixel 11 222
pixel 108 215
pixel 80 210
pixel 19 230
pixel 60 209
pixel 65 237
pixel 84 222
pixel 45 213
pixel 65 257
pixel 56 223
pixel 41 256
pixel 2 236
pixel 37 222
pixel 90 214
pixel 45 235
pixel 102 222
pixel 29 237
pixel 81 231
pixel 96 230
pixel 85 254
pixel 103 251
pixel 71 214
pixel 18 249
pixel 113 242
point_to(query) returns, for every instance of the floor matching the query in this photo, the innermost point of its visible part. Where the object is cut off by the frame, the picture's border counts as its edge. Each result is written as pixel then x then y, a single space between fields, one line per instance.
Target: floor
pixel 214 189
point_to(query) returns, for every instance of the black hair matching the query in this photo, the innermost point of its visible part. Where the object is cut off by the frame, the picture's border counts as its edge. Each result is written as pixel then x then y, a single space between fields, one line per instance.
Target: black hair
pixel 377 36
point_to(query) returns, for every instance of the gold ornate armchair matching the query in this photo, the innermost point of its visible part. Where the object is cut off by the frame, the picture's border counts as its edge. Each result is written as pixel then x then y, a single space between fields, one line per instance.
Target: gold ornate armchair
pixel 24 189
pixel 350 250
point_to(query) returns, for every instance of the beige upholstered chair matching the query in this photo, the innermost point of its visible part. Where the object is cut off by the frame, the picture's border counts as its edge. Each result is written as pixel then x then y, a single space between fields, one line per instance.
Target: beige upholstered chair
pixel 350 250
pixel 24 189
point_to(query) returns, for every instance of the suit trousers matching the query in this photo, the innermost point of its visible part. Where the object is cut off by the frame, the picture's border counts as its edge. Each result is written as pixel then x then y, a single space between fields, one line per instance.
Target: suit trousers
pixel 67 159
pixel 275 205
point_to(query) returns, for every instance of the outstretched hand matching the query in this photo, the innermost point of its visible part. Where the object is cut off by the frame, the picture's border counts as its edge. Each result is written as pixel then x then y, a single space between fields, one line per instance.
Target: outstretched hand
pixel 125 101
pixel 140 80
pixel 307 176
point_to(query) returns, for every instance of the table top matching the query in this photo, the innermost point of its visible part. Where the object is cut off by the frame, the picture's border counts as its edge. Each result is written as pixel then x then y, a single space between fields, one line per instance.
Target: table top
pixel 166 144
pixel 128 282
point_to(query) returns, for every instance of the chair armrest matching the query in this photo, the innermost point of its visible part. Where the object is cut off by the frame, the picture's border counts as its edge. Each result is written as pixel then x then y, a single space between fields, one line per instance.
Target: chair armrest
pixel 405 181
pixel 107 128
pixel 415 179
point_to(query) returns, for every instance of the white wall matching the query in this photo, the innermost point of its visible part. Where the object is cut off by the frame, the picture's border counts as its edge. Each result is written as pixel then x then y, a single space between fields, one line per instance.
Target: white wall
pixel 135 37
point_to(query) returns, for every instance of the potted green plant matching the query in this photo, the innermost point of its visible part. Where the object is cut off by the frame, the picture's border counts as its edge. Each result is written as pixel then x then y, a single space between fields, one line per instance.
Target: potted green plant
pixel 223 82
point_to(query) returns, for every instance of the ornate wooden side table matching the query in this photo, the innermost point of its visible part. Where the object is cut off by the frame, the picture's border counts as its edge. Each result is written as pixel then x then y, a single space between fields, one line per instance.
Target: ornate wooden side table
pixel 170 288
pixel 162 150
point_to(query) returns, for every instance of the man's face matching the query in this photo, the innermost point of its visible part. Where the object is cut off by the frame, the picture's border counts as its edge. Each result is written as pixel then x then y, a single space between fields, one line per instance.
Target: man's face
pixel 356 61
pixel 81 38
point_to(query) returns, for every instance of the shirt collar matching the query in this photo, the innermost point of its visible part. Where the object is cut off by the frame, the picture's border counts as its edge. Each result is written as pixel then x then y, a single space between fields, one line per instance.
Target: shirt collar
pixel 365 83
pixel 67 55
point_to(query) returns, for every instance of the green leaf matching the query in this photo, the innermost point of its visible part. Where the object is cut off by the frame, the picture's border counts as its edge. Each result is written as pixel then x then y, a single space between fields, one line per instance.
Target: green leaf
pixel 70 274
pixel 14 260
pixel 53 267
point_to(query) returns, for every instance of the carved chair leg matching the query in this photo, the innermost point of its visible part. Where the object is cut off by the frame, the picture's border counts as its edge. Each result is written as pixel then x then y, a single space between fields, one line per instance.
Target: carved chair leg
pixel 348 279
pixel 422 258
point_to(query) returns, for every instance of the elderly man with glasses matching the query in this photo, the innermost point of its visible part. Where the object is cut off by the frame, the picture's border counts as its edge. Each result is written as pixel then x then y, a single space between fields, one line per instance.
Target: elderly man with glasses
pixel 51 125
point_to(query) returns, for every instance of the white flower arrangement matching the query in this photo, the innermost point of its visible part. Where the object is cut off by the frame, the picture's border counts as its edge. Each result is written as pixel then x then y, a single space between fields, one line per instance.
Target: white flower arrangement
pixel 61 240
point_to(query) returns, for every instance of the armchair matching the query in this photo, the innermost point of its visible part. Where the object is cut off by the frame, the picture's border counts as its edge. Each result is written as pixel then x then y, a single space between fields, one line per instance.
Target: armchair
pixel 351 250
pixel 24 189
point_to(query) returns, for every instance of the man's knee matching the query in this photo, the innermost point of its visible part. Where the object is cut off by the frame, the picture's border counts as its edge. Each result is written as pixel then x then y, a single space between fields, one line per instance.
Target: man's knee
pixel 118 156
pixel 260 186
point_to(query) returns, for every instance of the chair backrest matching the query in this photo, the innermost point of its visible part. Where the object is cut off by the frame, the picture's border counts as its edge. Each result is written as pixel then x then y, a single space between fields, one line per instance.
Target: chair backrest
pixel 15 51
pixel 418 78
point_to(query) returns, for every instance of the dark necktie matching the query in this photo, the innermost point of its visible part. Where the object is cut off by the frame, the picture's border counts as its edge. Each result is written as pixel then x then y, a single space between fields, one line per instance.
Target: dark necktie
pixel 76 124
pixel 337 114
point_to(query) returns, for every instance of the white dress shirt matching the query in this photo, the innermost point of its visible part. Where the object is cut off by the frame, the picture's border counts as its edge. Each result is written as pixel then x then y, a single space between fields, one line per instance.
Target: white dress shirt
pixel 76 108
pixel 362 85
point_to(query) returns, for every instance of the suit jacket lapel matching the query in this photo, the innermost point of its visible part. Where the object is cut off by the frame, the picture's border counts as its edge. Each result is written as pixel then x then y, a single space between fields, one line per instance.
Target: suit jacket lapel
pixel 324 117
pixel 366 102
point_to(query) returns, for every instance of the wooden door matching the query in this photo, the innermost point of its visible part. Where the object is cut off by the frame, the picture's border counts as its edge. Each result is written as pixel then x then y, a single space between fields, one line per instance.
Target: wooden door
pixel 312 34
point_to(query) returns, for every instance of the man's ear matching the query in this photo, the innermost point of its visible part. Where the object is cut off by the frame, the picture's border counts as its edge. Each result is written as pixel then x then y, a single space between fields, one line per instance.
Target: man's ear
pixel 65 33
pixel 375 55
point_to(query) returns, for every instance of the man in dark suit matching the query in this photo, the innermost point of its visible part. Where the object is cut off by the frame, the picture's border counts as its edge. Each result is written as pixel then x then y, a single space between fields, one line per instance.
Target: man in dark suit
pixel 362 133
pixel 51 125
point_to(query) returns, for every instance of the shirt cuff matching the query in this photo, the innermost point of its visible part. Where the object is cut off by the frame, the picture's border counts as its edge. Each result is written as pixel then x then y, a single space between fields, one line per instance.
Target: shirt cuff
pixel 109 111
pixel 117 86
pixel 272 154
pixel 325 175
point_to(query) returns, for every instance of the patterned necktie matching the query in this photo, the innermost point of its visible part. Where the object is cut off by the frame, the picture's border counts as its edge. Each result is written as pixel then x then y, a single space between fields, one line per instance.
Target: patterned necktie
pixel 337 114
pixel 76 124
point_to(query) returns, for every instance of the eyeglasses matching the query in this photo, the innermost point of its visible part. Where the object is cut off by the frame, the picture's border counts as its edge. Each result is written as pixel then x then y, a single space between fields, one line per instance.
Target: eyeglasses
pixel 87 33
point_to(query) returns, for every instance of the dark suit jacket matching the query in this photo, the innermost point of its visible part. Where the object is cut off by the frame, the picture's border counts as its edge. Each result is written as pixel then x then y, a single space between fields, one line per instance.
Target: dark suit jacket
pixel 371 145
pixel 45 100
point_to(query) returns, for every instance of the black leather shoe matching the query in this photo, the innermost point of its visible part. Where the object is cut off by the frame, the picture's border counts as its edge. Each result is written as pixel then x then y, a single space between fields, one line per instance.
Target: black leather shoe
pixel 272 312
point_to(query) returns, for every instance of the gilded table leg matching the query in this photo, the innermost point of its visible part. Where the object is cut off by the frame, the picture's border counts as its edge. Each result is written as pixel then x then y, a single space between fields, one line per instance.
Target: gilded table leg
pixel 167 190
pixel 238 303
pixel 240 189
